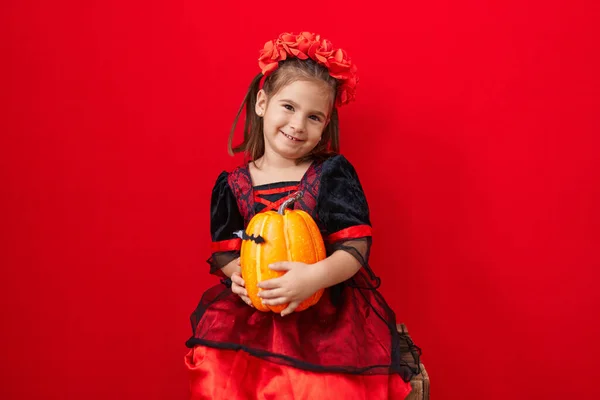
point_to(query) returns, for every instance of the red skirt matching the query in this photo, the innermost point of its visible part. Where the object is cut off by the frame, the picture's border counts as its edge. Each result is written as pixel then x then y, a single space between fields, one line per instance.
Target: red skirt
pixel 228 374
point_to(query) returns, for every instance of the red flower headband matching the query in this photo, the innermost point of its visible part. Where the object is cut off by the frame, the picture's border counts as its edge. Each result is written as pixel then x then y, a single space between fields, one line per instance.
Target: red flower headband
pixel 309 45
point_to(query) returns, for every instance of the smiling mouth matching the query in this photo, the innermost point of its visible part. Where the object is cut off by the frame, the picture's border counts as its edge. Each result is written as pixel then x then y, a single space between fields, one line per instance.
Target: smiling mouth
pixel 291 137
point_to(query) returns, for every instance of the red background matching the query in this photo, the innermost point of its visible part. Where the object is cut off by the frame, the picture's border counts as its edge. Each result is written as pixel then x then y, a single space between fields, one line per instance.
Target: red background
pixel 474 134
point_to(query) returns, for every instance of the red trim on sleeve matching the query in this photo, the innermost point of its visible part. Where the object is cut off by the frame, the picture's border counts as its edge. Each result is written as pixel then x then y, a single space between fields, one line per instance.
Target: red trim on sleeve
pixel 226 245
pixel 353 232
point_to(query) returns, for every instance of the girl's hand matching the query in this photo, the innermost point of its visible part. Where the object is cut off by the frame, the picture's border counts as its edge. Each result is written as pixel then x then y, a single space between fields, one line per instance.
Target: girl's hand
pixel 238 286
pixel 299 283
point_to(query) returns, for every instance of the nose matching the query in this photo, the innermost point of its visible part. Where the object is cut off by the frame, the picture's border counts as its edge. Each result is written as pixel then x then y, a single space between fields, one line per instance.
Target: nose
pixel 298 123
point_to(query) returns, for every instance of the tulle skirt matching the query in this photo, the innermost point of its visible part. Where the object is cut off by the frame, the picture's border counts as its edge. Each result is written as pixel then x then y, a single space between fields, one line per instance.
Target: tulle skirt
pixel 228 374
pixel 346 346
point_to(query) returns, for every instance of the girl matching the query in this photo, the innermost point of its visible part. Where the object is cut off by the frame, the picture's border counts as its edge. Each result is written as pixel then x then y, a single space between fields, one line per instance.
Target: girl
pixel 346 346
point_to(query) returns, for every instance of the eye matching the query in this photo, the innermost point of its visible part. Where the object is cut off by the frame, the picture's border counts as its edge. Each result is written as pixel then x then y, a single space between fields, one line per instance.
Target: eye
pixel 315 118
pixel 288 107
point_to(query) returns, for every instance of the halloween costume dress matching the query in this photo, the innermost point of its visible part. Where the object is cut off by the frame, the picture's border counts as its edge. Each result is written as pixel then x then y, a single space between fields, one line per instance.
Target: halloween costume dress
pixel 346 346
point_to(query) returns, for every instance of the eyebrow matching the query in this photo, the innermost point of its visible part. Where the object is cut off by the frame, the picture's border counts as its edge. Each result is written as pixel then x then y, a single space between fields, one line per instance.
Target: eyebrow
pixel 296 105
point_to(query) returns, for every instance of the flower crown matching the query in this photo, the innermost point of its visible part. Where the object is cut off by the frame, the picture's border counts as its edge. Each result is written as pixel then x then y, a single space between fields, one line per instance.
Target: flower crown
pixel 310 45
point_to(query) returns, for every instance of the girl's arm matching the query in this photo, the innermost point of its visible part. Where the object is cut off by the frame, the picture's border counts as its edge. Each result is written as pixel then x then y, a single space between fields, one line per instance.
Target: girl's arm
pixel 337 268
pixel 225 218
pixel 233 266
pixel 302 280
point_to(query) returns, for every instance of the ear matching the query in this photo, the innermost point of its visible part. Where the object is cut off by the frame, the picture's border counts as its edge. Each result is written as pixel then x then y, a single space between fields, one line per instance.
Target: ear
pixel 261 103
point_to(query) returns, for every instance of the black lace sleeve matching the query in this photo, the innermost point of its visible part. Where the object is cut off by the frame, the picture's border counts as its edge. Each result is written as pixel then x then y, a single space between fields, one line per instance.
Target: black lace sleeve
pixel 341 202
pixel 225 219
pixel 343 209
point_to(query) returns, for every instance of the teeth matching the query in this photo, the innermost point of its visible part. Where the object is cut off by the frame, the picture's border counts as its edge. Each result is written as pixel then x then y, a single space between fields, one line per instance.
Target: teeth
pixel 290 137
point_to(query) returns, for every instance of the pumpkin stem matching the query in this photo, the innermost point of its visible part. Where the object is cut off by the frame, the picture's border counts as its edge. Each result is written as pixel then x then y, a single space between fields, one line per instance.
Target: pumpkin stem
pixel 289 201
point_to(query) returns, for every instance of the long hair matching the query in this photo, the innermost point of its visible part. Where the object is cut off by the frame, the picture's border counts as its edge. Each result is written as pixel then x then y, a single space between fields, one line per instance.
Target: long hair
pixel 288 71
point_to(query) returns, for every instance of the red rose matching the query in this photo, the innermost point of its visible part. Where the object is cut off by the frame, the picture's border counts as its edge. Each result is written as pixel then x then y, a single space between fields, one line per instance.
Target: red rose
pixel 270 56
pixel 321 51
pixel 311 37
pixel 340 66
pixel 290 43
pixel 287 41
pixel 346 92
pixel 304 40
pixel 309 45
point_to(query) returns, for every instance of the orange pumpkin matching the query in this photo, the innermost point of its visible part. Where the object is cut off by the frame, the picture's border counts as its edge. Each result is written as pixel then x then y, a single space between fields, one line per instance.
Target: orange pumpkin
pixel 286 235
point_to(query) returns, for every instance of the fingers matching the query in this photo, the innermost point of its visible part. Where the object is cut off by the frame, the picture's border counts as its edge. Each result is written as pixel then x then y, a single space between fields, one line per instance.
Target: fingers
pixel 241 291
pixel 236 278
pixel 275 302
pixel 271 294
pixel 238 287
pixel 290 309
pixel 270 283
pixel 247 300
pixel 281 266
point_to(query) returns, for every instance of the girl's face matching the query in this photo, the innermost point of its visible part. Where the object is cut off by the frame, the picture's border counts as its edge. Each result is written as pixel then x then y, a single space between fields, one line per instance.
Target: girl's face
pixel 294 118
